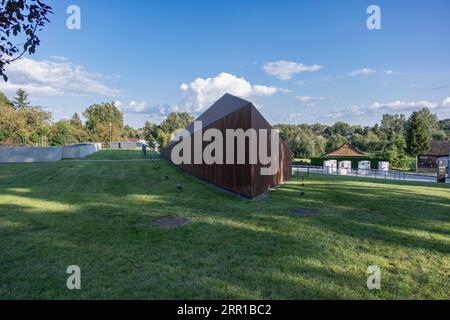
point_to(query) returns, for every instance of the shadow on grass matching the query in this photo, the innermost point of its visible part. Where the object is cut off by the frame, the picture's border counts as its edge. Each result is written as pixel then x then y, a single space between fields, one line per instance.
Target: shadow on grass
pixel 233 249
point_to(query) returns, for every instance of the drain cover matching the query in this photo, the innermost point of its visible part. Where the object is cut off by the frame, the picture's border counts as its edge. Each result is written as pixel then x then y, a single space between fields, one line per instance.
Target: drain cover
pixel 304 212
pixel 171 222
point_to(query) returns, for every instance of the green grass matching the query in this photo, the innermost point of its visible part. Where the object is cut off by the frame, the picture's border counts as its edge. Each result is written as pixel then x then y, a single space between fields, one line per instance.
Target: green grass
pixel 99 215
pixel 125 154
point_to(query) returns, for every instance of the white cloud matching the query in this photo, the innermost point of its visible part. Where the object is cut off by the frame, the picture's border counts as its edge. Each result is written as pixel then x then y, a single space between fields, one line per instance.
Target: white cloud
pixel 402 105
pixel 59 58
pixel 378 108
pixel 285 70
pixel 142 108
pixel 446 102
pixel 51 78
pixel 295 115
pixel 390 72
pixel 362 72
pixel 308 98
pixel 201 93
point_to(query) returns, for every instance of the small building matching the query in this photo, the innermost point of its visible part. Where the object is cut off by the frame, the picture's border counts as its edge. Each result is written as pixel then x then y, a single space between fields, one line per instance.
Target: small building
pixel 345 151
pixel 233 113
pixel 439 150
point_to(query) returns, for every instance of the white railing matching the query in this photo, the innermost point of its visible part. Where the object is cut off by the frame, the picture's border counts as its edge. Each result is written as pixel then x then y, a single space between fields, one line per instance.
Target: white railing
pixel 365 173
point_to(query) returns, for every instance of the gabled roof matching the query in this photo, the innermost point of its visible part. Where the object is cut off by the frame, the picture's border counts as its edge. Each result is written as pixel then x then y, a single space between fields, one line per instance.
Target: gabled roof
pixel 346 150
pixel 223 107
pixel 439 148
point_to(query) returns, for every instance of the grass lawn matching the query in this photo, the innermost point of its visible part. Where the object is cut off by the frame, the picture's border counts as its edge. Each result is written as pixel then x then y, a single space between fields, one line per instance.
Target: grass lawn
pixel 123 154
pixel 100 216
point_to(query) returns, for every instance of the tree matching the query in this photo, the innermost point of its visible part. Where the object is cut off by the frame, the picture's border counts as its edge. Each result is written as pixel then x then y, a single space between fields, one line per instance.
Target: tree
pixel 335 142
pixel 20 20
pixel 75 121
pixel 21 100
pixel 444 125
pixel 130 132
pixel 4 100
pixel 61 134
pixel 10 125
pixel 359 142
pixel 150 132
pixel 417 138
pixel 340 128
pixel 104 122
pixel 163 137
pixel 393 126
pixel 176 121
pixel 430 120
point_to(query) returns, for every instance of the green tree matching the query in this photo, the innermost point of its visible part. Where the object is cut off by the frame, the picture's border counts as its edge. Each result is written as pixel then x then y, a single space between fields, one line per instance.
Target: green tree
pixel 75 121
pixel 176 121
pixel 334 142
pixel 130 132
pixel 104 122
pixel 430 120
pixel 163 137
pixel 21 100
pixel 61 134
pixel 417 138
pixel 4 100
pixel 20 21
pixel 393 126
pixel 150 132
pixel 320 146
pixel 340 128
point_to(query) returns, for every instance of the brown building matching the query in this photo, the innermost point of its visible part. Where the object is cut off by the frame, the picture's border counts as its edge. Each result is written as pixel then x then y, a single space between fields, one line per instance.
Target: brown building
pixel 439 150
pixel 230 112
pixel 346 150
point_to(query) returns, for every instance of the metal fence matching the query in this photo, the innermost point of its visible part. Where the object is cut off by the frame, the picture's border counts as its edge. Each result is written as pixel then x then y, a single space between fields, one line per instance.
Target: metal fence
pixel 298 170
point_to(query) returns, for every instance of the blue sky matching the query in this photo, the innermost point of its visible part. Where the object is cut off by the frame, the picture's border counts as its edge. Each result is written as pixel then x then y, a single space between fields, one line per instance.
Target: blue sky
pixel 298 61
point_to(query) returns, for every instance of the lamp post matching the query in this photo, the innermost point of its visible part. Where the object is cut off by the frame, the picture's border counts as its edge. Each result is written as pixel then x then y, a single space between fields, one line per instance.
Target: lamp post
pixel 110 134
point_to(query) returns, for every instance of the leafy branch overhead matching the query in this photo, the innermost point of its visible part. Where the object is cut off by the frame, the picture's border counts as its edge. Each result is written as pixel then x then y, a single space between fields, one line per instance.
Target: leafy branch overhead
pixel 20 21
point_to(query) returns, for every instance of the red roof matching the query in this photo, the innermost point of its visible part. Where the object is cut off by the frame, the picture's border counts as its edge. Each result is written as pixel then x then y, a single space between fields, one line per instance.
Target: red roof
pixel 346 150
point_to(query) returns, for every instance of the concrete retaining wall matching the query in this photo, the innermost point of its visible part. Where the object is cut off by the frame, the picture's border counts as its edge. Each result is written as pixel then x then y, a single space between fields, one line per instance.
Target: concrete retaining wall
pixel 124 145
pixel 47 154
pixel 78 151
pixel 23 154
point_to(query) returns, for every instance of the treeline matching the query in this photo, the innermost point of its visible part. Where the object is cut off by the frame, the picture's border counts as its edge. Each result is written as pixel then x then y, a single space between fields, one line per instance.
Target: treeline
pixel 22 124
pixel 396 138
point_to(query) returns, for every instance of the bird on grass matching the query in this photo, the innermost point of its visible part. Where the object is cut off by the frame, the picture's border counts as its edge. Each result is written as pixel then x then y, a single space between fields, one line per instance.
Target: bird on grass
pixel 179 186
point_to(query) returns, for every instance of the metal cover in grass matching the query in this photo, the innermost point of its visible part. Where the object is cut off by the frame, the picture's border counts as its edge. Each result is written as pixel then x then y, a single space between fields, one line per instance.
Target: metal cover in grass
pixel 166 223
pixel 304 212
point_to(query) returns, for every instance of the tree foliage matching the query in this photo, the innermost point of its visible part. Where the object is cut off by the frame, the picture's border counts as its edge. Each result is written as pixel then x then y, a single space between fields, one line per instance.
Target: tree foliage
pixel 417 135
pixel 20 21
pixel 21 100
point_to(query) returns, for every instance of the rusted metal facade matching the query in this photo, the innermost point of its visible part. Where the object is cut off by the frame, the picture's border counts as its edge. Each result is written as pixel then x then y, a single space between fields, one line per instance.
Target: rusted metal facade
pixel 231 112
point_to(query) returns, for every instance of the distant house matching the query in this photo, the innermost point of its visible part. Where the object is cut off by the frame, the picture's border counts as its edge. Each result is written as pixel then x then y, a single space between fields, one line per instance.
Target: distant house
pixel 349 134
pixel 345 151
pixel 439 150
